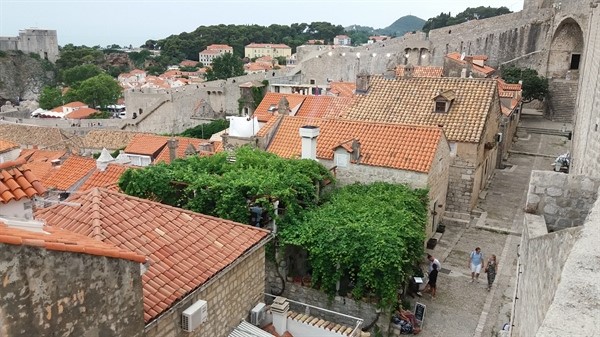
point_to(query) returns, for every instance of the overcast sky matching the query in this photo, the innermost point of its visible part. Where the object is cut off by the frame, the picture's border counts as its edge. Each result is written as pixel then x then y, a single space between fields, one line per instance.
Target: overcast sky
pixel 124 22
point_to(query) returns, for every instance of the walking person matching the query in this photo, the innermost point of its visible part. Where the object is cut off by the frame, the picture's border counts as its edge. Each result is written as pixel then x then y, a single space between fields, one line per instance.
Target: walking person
pixel 475 263
pixel 432 284
pixel 432 260
pixel 491 268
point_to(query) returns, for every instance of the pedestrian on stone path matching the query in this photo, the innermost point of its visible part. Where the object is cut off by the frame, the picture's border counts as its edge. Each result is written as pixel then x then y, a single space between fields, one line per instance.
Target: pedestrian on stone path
pixel 491 268
pixel 432 283
pixel 475 263
pixel 432 260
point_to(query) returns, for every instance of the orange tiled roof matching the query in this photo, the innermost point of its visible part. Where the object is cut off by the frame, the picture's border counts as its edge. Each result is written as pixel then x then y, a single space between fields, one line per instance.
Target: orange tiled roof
pixel 342 89
pixel 106 178
pixel 146 144
pixel 403 147
pixel 32 155
pixel 40 169
pixel 271 98
pixel 18 182
pixel 485 70
pixel 219 46
pixel 6 146
pixel 324 106
pixel 410 101
pixel 182 145
pixel 255 66
pixel 70 172
pixel 185 249
pixel 75 104
pixel 188 63
pixel 81 113
pixel 422 71
pixel 268 45
pixel 57 239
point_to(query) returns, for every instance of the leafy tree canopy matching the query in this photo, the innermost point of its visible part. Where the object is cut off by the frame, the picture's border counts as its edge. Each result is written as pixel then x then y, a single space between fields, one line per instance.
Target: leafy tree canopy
pixel 50 98
pixel 71 56
pixel 204 131
pixel 534 85
pixel 481 12
pixel 371 234
pixel 100 90
pixel 77 74
pixel 225 66
pixel 217 186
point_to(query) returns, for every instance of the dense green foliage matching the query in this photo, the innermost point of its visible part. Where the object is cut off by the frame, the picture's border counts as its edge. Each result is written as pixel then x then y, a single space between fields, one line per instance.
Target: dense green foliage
pixel 50 98
pixel 100 90
pixel 402 26
pixel 204 131
pixel 371 234
pixel 188 45
pixel 218 186
pixel 534 85
pixel 71 56
pixel 77 74
pixel 481 12
pixel 225 66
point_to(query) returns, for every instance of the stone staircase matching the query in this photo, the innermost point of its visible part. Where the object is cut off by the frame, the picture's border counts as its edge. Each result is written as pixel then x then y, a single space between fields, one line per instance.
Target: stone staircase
pixel 560 106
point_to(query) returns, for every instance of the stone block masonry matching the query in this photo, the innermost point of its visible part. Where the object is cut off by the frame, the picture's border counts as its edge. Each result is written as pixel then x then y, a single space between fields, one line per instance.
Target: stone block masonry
pixel 563 200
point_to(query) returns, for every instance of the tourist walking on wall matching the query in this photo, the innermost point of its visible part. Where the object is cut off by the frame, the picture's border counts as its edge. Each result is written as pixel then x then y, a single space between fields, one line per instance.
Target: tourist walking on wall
pixel 491 268
pixel 475 263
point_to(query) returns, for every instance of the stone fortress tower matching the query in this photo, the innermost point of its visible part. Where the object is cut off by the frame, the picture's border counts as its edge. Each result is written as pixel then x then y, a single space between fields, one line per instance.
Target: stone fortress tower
pixel 43 42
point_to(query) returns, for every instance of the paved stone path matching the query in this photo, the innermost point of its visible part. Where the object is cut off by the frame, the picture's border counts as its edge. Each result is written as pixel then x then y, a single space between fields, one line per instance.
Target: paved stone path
pixel 467 309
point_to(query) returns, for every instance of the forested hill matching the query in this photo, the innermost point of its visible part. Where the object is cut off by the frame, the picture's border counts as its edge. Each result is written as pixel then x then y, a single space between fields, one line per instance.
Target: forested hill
pixel 403 25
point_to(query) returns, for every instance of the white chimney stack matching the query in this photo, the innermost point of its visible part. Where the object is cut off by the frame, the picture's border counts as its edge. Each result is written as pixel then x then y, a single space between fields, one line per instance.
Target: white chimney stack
pixel 104 159
pixel 309 135
pixel 279 309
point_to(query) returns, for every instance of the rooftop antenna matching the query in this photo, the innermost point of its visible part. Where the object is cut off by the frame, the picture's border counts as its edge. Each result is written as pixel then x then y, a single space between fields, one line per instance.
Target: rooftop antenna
pixel 462 56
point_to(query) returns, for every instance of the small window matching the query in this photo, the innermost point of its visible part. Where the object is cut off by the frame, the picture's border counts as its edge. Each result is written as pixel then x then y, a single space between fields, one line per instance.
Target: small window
pixel 312 81
pixel 440 106
pixel 342 159
pixel 575 59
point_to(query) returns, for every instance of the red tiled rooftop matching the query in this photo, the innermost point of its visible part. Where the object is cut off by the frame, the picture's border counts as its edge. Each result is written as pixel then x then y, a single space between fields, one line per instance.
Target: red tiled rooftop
pixel 57 239
pixel 342 89
pixel 422 71
pixel 6 146
pixel 268 45
pixel 271 98
pixel 18 182
pixel 40 169
pixel 75 104
pixel 304 106
pixel 70 172
pixel 144 144
pixel 485 70
pixel 81 113
pixel 398 146
pixel 185 249
pixel 106 178
pixel 32 155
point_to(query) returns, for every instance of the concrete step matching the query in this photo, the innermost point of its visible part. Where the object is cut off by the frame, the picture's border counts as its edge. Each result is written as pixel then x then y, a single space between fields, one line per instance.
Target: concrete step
pixel 543 131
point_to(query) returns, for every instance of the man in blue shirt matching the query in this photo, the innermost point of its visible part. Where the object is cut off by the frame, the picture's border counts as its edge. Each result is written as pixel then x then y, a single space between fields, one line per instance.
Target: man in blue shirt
pixel 475 263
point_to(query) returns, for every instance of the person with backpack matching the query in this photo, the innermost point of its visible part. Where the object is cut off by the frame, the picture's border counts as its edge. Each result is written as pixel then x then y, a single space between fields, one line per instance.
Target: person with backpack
pixel 475 263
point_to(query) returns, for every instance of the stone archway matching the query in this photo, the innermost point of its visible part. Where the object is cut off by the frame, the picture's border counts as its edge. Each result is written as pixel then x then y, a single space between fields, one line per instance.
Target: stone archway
pixel 566 48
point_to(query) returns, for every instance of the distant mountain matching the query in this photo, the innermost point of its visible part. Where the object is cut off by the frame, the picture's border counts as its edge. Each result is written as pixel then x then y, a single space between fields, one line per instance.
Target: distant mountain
pixel 403 25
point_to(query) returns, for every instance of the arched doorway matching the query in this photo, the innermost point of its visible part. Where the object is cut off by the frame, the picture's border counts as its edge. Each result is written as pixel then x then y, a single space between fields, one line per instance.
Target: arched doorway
pixel 566 48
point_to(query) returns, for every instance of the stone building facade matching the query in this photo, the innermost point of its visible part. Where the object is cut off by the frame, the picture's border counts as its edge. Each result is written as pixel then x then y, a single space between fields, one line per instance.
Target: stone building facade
pixel 55 293
pixel 42 42
pixel 230 296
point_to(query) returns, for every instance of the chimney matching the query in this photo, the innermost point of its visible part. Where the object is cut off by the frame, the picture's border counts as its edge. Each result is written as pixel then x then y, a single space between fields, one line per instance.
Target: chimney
pixel 172 144
pixel 463 73
pixel 104 159
pixel 355 150
pixel 284 106
pixel 469 60
pixel 279 309
pixel 362 82
pixel 408 71
pixel 309 135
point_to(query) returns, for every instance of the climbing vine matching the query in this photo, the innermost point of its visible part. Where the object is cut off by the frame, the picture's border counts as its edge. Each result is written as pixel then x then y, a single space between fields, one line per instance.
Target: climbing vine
pixel 370 234
pixel 225 185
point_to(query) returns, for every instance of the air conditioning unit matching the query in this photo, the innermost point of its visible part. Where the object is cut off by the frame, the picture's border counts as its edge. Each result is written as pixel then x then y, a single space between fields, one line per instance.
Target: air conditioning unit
pixel 193 316
pixel 257 314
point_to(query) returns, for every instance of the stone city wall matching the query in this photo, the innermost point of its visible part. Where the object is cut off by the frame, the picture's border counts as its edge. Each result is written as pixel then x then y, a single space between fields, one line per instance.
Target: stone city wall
pixel 51 293
pixel 541 260
pixel 564 200
pixel 586 137
pixel 230 298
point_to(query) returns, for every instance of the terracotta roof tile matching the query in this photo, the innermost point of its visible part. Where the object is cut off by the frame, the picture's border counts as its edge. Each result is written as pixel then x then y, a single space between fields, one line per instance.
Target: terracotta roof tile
pixel 109 139
pixel 268 45
pixel 272 99
pixel 6 146
pixel 107 178
pixel 219 46
pixel 40 169
pixel 75 104
pixel 146 144
pixel 404 147
pixel 422 71
pixel 157 231
pixel 39 136
pixel 485 70
pixel 57 239
pixel 302 105
pixel 34 155
pixel 81 113
pixel 18 182
pixel 73 170
pixel 342 89
pixel 410 101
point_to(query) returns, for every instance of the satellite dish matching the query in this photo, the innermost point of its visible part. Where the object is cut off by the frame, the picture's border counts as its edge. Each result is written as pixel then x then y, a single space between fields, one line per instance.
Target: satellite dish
pixel 462 56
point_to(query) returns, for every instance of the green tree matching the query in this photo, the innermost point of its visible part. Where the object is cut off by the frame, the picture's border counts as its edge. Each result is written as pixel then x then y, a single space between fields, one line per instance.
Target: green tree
pixel 71 56
pixel 535 87
pixel 77 74
pixel 100 90
pixel 204 131
pixel 139 58
pixel 50 98
pixel 481 12
pixel 225 66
